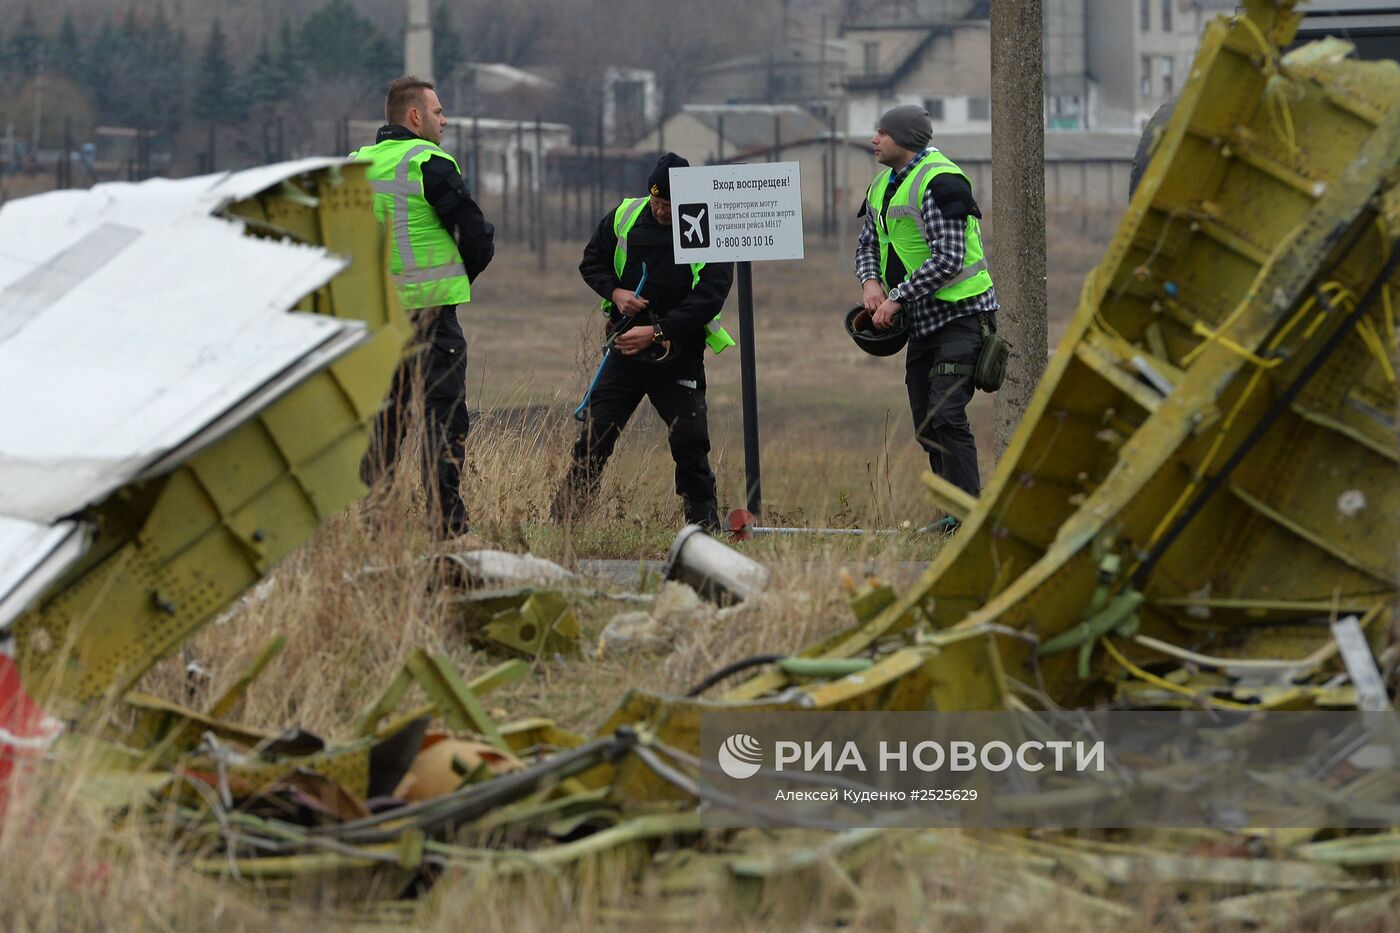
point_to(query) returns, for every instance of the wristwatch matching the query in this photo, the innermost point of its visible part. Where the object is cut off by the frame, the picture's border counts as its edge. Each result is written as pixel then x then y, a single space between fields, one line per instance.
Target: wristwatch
pixel 896 294
pixel 656 335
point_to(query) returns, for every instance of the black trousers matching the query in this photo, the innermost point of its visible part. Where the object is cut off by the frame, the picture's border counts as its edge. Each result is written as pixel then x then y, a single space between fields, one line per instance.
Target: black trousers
pixel 434 370
pixel 939 403
pixel 677 393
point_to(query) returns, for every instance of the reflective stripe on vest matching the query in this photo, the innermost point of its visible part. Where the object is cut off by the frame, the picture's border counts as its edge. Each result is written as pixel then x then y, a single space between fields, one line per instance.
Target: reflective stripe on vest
pixel 902 229
pixel 424 263
pixel 624 219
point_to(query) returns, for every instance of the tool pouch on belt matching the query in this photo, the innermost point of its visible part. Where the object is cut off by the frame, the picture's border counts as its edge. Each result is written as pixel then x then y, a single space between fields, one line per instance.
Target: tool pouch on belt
pixel 989 372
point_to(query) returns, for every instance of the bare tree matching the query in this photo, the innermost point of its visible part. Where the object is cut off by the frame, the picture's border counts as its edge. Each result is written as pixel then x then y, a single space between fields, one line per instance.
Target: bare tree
pixel 516 33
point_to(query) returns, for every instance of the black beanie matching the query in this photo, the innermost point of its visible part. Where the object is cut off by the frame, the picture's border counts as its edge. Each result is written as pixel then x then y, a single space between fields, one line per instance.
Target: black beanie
pixel 908 125
pixel 659 183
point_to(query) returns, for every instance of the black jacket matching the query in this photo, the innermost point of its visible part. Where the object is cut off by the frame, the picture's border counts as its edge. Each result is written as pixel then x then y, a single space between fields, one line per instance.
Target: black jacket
pixel 445 190
pixel 681 311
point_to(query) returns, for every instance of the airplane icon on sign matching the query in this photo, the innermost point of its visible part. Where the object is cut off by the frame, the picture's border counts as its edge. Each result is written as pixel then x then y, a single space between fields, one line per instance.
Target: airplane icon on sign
pixel 693 231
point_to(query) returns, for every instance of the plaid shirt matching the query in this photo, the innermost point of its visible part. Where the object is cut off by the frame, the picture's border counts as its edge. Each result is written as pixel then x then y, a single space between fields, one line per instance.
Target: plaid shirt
pixel 947 240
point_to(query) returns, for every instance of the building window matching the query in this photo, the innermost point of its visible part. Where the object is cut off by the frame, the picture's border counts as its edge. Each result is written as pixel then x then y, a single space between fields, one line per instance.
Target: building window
pixel 1168 86
pixel 979 109
pixel 1064 112
pixel 1144 15
pixel 629 109
pixel 1166 15
pixel 1145 82
pixel 934 106
pixel 872 58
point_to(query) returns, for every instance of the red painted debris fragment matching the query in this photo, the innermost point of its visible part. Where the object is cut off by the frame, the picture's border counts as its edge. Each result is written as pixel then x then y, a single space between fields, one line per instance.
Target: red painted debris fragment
pixel 26 731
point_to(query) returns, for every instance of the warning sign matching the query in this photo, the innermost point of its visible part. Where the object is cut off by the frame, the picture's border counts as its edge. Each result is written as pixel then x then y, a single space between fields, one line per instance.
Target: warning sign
pixel 737 213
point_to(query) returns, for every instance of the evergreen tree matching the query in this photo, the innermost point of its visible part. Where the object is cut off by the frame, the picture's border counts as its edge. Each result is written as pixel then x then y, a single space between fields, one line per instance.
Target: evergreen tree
pixel 289 56
pixel 271 81
pixel 338 42
pixel 26 46
pixel 113 72
pixel 67 50
pixel 125 98
pixel 262 81
pixel 274 73
pixel 216 87
pixel 163 49
pixel 448 47
pixel 383 59
pixel 99 69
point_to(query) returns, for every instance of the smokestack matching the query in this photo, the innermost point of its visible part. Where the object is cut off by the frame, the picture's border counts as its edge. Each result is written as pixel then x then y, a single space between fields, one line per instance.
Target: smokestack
pixel 418 41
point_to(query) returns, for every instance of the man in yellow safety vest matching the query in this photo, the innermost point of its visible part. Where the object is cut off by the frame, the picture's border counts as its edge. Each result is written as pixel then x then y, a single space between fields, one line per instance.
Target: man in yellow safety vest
pixel 920 255
pixel 438 243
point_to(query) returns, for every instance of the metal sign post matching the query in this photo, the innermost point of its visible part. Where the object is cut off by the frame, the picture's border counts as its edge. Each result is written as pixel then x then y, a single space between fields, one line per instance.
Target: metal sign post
pixel 749 386
pixel 740 214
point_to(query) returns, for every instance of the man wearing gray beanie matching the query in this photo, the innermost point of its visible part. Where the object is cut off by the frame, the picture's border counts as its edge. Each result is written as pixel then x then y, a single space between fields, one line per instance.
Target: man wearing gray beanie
pixel 921 265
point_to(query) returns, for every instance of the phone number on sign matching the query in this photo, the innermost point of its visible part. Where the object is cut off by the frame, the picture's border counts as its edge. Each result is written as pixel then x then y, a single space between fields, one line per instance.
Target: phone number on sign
pixel 744 241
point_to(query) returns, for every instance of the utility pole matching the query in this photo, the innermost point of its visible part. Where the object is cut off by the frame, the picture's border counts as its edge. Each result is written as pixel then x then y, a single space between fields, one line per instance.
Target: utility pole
pixel 418 41
pixel 1018 202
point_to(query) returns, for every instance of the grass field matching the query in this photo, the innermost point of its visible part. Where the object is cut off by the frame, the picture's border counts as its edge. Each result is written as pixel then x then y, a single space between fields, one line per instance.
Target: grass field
pixel 837 445
pixel 838 450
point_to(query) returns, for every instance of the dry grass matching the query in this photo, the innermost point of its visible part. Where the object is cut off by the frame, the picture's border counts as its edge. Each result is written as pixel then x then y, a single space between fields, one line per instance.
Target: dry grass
pixel 911 881
pixel 358 599
pixel 837 443
pixel 64 866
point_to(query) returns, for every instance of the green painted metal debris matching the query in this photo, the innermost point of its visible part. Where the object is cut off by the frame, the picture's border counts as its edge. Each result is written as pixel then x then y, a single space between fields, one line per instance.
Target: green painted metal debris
pixel 1221 406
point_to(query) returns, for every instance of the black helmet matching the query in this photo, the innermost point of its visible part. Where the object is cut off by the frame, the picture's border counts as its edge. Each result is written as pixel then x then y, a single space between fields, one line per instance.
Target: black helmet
pixel 876 342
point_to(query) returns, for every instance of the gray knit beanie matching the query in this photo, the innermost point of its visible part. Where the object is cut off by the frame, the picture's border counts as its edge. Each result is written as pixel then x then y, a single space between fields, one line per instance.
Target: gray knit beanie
pixel 908 125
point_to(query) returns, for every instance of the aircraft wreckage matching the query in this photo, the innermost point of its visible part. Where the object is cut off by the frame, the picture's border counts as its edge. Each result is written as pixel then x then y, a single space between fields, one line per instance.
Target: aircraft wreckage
pixel 1206 473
